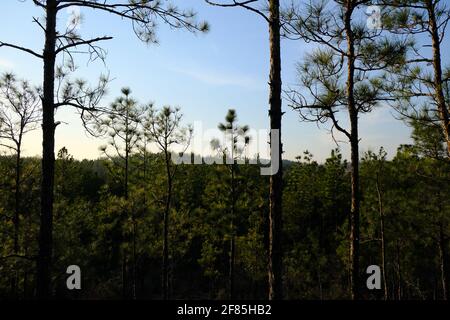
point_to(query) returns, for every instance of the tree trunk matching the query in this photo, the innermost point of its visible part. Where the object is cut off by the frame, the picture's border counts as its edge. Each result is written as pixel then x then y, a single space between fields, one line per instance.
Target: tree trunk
pixel 26 244
pixel 124 275
pixel 126 178
pixel 16 218
pixel 232 263
pixel 44 262
pixel 437 66
pixel 17 197
pixel 354 144
pixel 354 216
pixel 134 258
pixel 127 154
pixel 275 267
pixel 443 261
pixel 399 273
pixel 383 239
pixel 165 280
pixel 232 227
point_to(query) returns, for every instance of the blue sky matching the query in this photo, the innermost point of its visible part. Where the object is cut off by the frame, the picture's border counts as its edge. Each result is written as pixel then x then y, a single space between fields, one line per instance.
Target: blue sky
pixel 204 74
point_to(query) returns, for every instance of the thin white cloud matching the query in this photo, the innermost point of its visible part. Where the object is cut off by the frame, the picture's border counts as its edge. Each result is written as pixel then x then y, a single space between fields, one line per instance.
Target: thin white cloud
pixel 220 78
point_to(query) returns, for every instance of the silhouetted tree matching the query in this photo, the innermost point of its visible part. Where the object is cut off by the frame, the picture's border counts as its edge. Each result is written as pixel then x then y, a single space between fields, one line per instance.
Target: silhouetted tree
pixel 143 15
pixel 123 126
pixel 165 130
pixel 19 114
pixel 20 111
pixel 421 75
pixel 339 75
pixel 379 161
pixel 429 142
pixel 232 152
pixel 275 254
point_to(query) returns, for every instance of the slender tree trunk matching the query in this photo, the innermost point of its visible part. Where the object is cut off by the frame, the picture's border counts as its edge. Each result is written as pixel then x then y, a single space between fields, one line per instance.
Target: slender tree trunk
pixel 437 66
pixel 232 227
pixel 44 262
pixel 124 276
pixel 354 215
pixel 354 144
pixel 25 285
pixel 165 280
pixel 127 154
pixel 16 218
pixel 17 197
pixel 443 261
pixel 320 283
pixel 399 274
pixel 26 245
pixel 133 220
pixel 232 264
pixel 145 176
pixel 134 258
pixel 383 238
pixel 275 267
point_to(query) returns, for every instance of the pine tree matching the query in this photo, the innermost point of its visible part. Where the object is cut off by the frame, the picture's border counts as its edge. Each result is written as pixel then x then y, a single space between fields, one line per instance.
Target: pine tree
pixel 20 109
pixel 339 76
pixel 420 76
pixel 164 129
pixel 123 125
pixel 232 152
pixel 143 15
pixel 275 250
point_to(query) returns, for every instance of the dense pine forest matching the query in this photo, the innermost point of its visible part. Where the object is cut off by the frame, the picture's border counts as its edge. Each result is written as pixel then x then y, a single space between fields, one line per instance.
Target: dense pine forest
pixel 137 224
